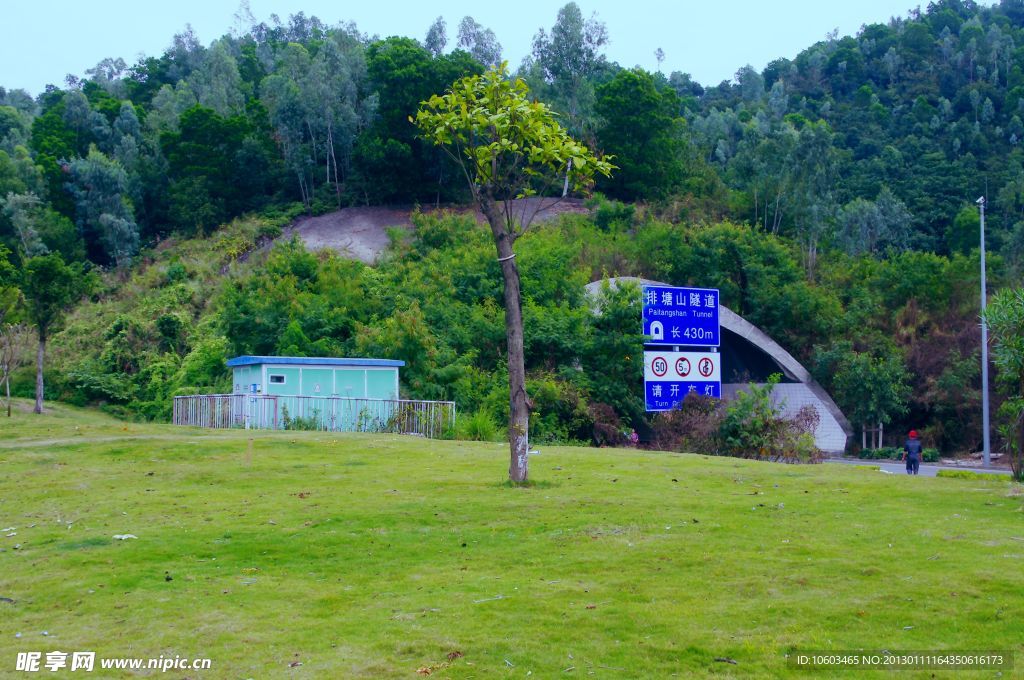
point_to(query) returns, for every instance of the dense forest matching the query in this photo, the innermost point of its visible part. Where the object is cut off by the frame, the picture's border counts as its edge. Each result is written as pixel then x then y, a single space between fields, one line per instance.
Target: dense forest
pixel 829 196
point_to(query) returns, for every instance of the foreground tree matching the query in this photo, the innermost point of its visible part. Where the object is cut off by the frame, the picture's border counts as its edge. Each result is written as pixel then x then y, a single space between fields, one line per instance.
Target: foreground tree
pixel 1005 317
pixel 49 286
pixel 508 147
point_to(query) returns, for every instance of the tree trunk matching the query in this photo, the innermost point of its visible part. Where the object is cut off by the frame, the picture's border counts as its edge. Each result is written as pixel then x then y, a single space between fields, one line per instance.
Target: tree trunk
pixel 7 382
pixel 519 408
pixel 39 373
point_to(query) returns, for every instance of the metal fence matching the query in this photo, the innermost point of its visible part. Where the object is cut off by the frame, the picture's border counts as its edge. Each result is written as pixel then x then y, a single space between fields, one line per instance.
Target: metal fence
pixel 434 419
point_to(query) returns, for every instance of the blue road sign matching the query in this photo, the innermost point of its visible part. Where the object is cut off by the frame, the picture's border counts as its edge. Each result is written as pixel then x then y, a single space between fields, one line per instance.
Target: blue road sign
pixel 670 376
pixel 681 316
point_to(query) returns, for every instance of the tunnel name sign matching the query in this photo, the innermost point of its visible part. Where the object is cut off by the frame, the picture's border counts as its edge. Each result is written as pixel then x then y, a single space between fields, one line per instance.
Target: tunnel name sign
pixel 680 325
pixel 681 316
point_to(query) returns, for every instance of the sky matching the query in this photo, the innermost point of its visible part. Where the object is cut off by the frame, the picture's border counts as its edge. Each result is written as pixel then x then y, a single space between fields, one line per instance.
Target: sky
pixel 43 40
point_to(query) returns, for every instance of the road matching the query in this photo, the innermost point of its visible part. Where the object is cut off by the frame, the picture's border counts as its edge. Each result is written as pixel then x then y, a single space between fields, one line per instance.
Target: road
pixel 925 470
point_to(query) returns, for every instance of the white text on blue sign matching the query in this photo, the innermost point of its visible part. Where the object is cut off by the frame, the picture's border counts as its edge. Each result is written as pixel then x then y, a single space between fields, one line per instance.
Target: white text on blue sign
pixel 681 316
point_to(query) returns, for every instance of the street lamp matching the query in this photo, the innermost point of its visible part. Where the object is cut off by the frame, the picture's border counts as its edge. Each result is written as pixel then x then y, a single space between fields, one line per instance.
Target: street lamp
pixel 986 450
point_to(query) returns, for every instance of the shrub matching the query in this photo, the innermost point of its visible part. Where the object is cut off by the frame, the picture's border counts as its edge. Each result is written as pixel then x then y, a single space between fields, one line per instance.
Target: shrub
pixel 884 453
pixel 753 428
pixel 896 453
pixel 694 426
pixel 749 426
pixel 312 422
pixel 559 414
pixel 607 430
pixel 478 427
pixel 176 273
pixel 611 215
pixel 964 474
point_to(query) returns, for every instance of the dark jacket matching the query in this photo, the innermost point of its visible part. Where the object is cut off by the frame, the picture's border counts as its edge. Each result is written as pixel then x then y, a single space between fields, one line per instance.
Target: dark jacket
pixel 913 449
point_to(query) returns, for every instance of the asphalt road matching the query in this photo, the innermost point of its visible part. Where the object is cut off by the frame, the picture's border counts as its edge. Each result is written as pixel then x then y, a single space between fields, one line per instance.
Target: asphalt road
pixel 924 471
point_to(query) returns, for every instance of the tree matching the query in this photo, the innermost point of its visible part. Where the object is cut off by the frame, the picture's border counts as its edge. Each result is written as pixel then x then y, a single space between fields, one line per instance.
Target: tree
pixel 872 226
pixel 508 147
pixel 1005 318
pixel 10 295
pixel 963 234
pixel 104 213
pixel 437 37
pixel 480 42
pixel 39 229
pixel 391 163
pixel 207 150
pixel 814 162
pixel 641 128
pixel 873 390
pixel 567 59
pixel 14 344
pixel 217 83
pixel 20 209
pixel 50 286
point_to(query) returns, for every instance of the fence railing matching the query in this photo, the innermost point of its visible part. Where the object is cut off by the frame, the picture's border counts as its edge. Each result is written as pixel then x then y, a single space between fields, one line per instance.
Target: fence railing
pixel 434 419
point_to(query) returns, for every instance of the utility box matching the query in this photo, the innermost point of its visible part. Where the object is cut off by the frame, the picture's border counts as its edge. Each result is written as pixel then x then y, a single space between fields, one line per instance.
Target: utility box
pixel 316 377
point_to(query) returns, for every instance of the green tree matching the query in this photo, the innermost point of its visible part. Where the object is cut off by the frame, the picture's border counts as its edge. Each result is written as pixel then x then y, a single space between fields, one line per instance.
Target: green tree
pixel 872 389
pixel 204 160
pixel 391 163
pixel 1005 318
pixel 50 286
pixel 508 147
pixel 566 60
pixel 103 211
pixel 641 128
pixel 964 234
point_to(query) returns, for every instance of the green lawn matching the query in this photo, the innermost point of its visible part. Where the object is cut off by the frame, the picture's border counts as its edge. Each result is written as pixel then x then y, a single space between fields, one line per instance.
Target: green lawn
pixel 377 556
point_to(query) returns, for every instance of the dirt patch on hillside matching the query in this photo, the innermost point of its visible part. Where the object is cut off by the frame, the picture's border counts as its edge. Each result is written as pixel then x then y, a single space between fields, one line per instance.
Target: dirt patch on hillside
pixel 362 233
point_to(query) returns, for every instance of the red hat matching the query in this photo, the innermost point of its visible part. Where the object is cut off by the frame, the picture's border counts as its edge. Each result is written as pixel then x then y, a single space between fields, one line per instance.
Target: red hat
pixel 913 434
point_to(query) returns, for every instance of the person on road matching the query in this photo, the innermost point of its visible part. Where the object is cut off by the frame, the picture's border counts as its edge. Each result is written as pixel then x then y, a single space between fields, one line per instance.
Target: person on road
pixel 912 453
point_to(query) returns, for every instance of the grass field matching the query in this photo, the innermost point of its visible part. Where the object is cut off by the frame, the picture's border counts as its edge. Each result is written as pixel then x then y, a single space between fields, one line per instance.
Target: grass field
pixel 381 556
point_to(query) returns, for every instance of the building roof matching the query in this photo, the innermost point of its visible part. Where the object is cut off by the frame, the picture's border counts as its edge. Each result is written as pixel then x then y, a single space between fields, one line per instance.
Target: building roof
pixel 248 360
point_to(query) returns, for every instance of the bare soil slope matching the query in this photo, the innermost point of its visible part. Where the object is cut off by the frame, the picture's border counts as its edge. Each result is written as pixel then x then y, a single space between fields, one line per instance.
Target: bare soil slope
pixel 361 233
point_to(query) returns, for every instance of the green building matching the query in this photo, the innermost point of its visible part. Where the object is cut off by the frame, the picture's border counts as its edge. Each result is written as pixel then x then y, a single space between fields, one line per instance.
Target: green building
pixel 316 377
pixel 316 393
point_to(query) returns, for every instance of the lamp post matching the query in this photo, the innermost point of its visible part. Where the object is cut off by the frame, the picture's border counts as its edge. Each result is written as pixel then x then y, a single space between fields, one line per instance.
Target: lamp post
pixel 986 450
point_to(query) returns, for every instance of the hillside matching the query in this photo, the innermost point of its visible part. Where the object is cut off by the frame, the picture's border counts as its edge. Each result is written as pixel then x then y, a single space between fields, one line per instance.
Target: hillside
pixel 362 233
pixel 829 196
